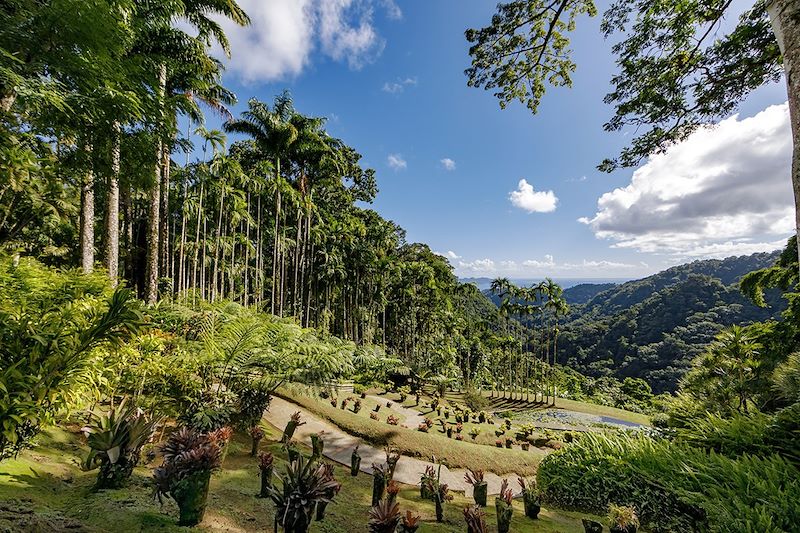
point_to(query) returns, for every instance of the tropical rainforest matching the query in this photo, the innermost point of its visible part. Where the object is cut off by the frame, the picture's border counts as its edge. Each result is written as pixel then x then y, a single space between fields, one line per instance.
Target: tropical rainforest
pixel 188 315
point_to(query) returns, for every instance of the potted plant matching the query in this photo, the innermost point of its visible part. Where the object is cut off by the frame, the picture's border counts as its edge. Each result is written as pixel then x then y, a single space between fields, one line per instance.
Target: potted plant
pixel 380 478
pixel 189 459
pixel 590 526
pixel 332 490
pixel 392 490
pixel 479 486
pixel 504 509
pixel 441 494
pixel 292 453
pixel 392 420
pixel 449 431
pixel 425 483
pixel 357 406
pixel 530 497
pixel 392 458
pixel 355 462
pixel 388 405
pixel 525 445
pixel 423 427
pixel 459 437
pixel 256 433
pixel 222 436
pixel 115 440
pixel 377 408
pixel 304 486
pixel 344 404
pixel 384 517
pixel 317 446
pixel 334 402
pixel 410 523
pixel 476 519
pixel 482 417
pixel 293 423
pixel 622 519
pixel 265 466
pixel 459 428
pixel 474 432
pixel 509 442
pixel 498 443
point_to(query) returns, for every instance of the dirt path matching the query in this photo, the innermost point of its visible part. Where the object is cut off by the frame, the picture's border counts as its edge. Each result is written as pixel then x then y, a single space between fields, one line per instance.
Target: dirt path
pixel 339 447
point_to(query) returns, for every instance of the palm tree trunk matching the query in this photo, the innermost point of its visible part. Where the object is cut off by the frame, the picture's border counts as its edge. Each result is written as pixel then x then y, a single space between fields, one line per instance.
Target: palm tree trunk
pixel 164 234
pixel 276 237
pixel 154 216
pixel 112 216
pixel 87 212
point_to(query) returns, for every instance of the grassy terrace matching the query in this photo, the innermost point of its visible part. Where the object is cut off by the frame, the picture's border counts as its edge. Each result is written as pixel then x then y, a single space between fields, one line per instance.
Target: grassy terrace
pixel 418 444
pixel 44 490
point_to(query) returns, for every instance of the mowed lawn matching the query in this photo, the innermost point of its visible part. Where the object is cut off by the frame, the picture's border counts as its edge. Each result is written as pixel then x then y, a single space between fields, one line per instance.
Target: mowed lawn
pixel 45 490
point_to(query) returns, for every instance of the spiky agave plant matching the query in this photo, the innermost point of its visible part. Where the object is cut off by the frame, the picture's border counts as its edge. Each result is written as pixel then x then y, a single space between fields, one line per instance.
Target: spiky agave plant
pixel 189 459
pixel 384 517
pixel 476 519
pixel 305 484
pixel 115 440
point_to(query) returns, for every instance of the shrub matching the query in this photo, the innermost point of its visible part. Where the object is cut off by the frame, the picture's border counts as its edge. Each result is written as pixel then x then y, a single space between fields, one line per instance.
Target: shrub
pixel 622 517
pixel 305 486
pixel 475 400
pixel 673 486
pixel 474 432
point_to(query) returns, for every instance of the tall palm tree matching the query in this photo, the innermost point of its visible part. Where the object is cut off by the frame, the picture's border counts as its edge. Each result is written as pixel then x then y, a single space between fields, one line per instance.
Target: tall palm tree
pixel 274 134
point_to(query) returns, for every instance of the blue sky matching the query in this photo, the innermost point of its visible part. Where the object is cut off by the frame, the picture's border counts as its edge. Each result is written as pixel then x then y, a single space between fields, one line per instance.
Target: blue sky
pixel 389 77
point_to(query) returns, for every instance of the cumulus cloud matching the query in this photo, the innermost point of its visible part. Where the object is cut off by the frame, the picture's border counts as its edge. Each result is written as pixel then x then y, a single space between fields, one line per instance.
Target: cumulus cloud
pixel 396 162
pixel 448 164
pixel 397 87
pixel 525 197
pixel 284 34
pixel 725 190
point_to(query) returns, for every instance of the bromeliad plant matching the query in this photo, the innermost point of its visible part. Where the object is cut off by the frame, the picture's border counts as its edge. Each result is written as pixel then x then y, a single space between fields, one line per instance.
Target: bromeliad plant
pixel 479 486
pixel 504 509
pixel 530 497
pixel 115 440
pixel 256 433
pixel 305 485
pixel 425 483
pixel 293 423
pixel 189 459
pixel 622 519
pixel 380 478
pixel 327 470
pixel 266 465
pixel 384 517
pixel 410 523
pixel 476 519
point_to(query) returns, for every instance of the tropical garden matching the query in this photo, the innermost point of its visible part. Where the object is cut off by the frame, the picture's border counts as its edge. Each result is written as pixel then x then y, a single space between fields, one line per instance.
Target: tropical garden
pixel 211 328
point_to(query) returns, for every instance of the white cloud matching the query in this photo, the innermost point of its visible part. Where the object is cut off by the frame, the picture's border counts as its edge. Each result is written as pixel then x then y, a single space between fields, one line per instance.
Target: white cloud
pixel 532 201
pixel 548 266
pixel 397 87
pixel 448 164
pixel 452 255
pixel 393 11
pixel 284 34
pixel 725 190
pixel 396 162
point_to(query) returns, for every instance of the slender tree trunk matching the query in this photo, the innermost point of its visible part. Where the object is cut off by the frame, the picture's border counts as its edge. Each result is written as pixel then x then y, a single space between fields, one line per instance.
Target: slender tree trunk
pixel 164 233
pixel 276 238
pixel 785 17
pixel 154 215
pixel 87 212
pixel 112 215
pixel 217 244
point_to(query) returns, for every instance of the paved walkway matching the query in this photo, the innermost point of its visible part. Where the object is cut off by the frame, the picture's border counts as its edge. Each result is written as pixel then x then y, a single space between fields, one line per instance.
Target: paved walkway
pixel 339 447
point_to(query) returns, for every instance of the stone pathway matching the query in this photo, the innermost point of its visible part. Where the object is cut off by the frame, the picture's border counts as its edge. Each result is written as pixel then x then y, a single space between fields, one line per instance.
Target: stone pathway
pixel 339 447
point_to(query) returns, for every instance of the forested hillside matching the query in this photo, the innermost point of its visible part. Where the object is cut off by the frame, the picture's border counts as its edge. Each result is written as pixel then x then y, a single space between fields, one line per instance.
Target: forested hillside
pixel 652 328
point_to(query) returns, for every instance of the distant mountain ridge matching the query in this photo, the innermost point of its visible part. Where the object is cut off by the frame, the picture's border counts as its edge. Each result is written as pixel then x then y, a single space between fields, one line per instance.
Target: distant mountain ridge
pixel 653 327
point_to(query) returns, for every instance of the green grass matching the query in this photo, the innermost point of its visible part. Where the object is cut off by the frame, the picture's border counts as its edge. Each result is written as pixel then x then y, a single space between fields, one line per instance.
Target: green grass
pixel 46 488
pixel 519 405
pixel 418 444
